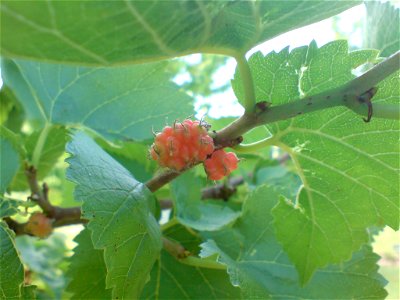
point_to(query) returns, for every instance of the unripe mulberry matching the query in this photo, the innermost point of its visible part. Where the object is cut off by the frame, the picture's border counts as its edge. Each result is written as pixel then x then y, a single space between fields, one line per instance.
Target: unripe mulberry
pixel 220 164
pixel 39 225
pixel 182 145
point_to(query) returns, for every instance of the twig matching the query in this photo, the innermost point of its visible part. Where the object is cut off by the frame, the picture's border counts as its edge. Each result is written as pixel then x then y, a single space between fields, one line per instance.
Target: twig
pixel 174 248
pixel 348 95
pixel 223 190
pixel 161 179
pixel 62 216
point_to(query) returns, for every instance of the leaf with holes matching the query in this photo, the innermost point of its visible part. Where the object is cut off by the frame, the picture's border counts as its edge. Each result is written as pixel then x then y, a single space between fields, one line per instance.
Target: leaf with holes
pixel 119 212
pixel 104 33
pixel 349 168
pixel 258 264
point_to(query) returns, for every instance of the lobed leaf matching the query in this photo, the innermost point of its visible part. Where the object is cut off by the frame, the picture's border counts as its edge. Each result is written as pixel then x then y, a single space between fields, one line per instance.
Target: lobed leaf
pixel 349 168
pixel 258 263
pixel 119 212
pixel 120 32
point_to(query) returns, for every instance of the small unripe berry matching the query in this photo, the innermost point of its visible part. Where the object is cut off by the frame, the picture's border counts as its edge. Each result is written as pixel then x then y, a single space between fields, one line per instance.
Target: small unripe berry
pixel 39 225
pixel 182 145
pixel 220 164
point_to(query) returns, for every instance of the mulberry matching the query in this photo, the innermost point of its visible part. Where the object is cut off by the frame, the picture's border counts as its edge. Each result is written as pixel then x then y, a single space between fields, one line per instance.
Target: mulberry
pixel 220 164
pixel 39 225
pixel 182 145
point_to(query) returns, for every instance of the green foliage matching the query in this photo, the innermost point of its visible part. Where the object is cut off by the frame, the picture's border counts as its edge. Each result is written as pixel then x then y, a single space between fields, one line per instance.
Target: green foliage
pixel 174 280
pixel 87 271
pixel 11 114
pixel 46 260
pixel 298 223
pixel 324 146
pixel 191 211
pixel 119 211
pixel 8 207
pixel 130 96
pixel 104 33
pixel 382 27
pixel 10 153
pixel 12 270
pixel 41 152
pixel 134 157
pixel 304 71
pixel 259 265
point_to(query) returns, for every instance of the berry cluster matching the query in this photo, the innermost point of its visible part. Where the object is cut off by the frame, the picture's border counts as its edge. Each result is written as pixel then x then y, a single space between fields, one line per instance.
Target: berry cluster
pixel 186 144
pixel 182 145
pixel 39 225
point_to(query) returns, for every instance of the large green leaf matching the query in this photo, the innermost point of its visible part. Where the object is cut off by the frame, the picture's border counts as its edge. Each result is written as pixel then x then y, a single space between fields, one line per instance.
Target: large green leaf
pixel 172 279
pixel 382 27
pixel 105 32
pixel 119 212
pixel 12 270
pixel 122 102
pixel 191 211
pixel 257 262
pixel 9 157
pixel 87 270
pixel 349 168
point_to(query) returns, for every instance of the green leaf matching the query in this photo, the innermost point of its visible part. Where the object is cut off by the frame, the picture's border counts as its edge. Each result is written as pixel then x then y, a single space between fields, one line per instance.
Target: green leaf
pixel 121 102
pixel 10 154
pixel 28 292
pixel 349 169
pixel 48 151
pixel 134 157
pixel 104 33
pixel 257 262
pixel 87 270
pixel 382 27
pixel 8 207
pixel 172 279
pixel 191 211
pixel 119 212
pixel 12 270
pixel 286 76
pixel 11 113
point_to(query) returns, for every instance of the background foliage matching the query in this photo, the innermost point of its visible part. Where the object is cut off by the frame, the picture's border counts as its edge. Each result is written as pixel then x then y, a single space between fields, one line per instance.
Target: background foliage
pixel 87 81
